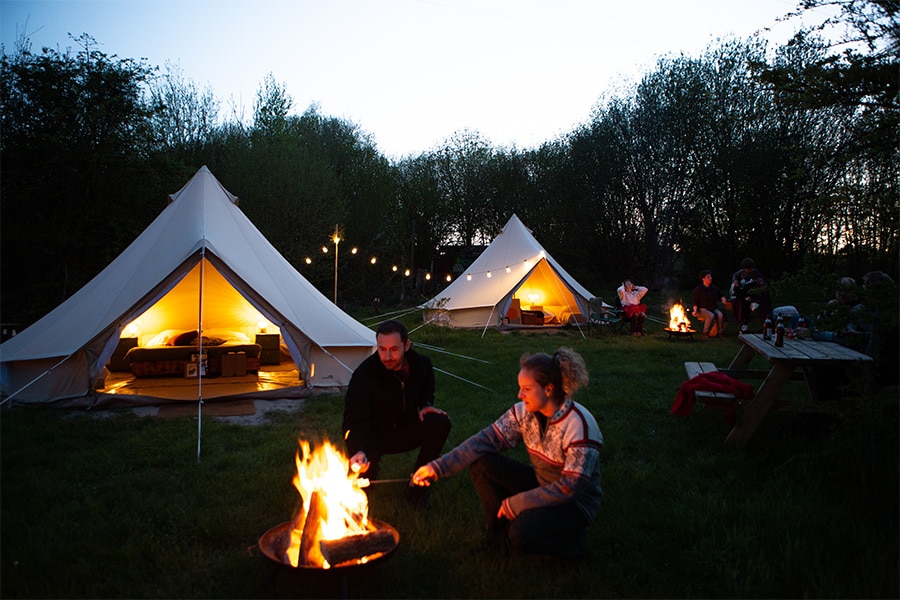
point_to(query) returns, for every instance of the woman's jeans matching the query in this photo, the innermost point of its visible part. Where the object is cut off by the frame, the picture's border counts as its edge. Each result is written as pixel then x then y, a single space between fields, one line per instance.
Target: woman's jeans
pixel 559 530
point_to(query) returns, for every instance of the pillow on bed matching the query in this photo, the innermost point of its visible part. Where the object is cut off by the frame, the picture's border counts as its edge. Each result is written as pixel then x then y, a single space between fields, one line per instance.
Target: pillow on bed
pixel 228 336
pixel 162 338
pixel 188 338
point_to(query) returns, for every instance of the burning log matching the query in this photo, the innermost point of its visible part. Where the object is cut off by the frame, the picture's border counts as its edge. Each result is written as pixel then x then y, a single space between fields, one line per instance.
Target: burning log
pixel 354 547
pixel 310 554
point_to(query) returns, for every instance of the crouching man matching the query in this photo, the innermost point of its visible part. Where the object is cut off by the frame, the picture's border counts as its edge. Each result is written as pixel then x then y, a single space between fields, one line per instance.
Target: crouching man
pixel 389 407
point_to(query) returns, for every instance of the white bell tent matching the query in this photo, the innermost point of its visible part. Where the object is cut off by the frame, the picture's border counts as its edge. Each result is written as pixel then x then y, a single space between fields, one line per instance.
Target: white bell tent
pixel 201 264
pixel 515 282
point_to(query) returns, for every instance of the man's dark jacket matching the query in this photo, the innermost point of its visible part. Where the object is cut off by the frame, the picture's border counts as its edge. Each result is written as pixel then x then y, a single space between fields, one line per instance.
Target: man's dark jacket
pixel 377 399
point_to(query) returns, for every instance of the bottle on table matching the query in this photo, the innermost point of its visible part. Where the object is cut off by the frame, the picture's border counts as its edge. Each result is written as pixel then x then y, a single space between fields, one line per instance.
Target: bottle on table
pixel 779 332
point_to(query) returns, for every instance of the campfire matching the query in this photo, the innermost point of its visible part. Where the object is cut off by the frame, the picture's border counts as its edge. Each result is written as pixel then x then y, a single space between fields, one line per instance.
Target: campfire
pixel 678 320
pixel 332 528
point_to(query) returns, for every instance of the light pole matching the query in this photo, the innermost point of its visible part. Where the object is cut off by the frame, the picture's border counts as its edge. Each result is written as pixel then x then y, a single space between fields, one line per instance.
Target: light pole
pixel 336 238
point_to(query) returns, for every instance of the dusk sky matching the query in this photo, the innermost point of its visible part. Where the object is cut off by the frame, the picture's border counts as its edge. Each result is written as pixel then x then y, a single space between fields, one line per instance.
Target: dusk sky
pixel 408 72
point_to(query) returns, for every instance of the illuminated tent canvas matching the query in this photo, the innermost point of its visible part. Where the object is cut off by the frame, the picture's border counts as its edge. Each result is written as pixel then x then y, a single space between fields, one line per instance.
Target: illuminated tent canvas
pixel 201 264
pixel 514 281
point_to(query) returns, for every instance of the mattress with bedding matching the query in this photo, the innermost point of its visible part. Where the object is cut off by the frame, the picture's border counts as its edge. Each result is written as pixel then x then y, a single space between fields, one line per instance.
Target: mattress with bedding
pixel 168 353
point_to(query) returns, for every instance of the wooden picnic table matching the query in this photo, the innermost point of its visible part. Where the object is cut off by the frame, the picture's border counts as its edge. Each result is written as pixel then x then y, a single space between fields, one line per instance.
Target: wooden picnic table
pixel 784 361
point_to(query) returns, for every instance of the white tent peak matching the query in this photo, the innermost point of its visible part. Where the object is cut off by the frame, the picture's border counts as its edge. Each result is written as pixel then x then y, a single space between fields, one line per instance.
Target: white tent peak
pixel 62 354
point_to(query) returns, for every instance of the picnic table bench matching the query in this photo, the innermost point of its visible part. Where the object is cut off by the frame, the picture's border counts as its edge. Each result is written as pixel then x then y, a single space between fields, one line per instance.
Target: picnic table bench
pixel 721 400
pixel 724 400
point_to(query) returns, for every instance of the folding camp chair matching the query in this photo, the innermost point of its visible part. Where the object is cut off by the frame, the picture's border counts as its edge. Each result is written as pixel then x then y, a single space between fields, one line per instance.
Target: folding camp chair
pixel 604 317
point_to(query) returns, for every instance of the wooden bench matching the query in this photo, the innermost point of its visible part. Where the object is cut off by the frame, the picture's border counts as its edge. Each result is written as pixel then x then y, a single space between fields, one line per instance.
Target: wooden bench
pixel 720 400
pixel 723 400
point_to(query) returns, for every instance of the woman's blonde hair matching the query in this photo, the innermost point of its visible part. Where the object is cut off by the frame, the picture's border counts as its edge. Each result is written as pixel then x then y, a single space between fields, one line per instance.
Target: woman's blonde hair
pixel 565 371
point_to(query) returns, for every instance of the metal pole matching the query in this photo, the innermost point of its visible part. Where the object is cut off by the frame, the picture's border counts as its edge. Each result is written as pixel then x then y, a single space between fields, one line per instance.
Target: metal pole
pixel 337 240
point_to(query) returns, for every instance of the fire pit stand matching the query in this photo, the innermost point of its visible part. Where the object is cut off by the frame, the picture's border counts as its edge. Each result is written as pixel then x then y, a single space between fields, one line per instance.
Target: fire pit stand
pixel 273 543
pixel 681 334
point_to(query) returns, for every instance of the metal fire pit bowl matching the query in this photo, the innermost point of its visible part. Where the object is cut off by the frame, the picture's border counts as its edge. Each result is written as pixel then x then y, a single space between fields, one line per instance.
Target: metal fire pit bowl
pixel 275 541
pixel 680 334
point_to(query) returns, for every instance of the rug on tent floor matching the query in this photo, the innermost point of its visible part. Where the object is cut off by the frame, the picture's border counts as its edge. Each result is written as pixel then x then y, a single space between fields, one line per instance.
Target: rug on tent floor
pixel 273 378
pixel 225 408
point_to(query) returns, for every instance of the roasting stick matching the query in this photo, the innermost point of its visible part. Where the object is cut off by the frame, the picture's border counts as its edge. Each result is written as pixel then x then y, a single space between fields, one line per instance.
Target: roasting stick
pixel 363 482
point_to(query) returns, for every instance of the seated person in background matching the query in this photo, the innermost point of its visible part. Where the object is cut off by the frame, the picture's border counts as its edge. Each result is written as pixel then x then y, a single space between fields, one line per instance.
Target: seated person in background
pixel 846 296
pixel 705 303
pixel 837 316
pixel 632 309
pixel 870 325
pixel 846 293
pixel 389 407
pixel 861 326
pixel 749 293
pixel 881 300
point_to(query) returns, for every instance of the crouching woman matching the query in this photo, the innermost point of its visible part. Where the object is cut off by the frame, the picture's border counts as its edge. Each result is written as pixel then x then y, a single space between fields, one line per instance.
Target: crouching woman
pixel 544 507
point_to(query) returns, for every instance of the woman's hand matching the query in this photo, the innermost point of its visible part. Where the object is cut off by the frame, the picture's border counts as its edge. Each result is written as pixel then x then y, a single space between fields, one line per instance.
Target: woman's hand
pixel 423 476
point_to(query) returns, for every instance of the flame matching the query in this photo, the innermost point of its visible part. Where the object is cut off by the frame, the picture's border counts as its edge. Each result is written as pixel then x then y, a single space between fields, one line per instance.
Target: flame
pixel 326 471
pixel 678 320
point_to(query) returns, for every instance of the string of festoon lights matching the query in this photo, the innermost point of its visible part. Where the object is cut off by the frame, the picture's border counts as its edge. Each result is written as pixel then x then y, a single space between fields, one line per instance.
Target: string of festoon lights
pixel 373 260
pixel 526 263
pixel 407 272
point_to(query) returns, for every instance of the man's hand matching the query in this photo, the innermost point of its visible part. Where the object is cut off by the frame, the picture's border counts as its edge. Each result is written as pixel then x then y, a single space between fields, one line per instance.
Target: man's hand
pixel 359 462
pixel 429 409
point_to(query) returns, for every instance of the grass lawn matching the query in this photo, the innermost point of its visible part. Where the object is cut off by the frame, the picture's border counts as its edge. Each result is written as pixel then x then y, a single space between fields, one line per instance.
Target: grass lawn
pixel 120 506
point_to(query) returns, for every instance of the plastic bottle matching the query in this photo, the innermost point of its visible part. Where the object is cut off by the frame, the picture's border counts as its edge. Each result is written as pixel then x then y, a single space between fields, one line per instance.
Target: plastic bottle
pixel 767 329
pixel 779 333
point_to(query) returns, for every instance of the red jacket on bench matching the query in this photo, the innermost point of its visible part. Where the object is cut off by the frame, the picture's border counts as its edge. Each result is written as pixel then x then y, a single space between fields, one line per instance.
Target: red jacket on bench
pixel 708 382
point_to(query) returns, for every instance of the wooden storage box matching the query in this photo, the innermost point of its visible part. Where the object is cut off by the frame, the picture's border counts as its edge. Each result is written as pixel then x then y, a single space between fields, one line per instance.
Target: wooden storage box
pixel 532 317
pixel 234 364
pixel 271 348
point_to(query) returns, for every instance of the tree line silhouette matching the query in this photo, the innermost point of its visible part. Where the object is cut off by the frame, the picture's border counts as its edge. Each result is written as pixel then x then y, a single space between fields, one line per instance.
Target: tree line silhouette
pixel 786 154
